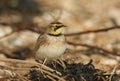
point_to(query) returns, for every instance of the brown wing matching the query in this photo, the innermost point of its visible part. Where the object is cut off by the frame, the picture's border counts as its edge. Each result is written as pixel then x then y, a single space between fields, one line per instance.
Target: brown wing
pixel 40 41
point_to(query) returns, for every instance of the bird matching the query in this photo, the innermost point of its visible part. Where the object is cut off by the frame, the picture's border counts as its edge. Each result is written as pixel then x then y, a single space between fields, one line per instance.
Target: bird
pixel 51 44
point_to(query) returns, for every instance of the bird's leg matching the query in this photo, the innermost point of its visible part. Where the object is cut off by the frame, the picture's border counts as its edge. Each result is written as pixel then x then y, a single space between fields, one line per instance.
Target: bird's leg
pixel 44 61
pixel 62 63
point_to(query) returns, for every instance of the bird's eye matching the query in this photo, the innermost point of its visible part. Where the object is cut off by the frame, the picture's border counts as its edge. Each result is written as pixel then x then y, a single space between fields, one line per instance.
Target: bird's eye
pixel 58 26
pixel 55 28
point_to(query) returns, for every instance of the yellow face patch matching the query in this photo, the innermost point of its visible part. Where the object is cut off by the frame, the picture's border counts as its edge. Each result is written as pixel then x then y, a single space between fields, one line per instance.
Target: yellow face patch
pixel 55 28
pixel 58 31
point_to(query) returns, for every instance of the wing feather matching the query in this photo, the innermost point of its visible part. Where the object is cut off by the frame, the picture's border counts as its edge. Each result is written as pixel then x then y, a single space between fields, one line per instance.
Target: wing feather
pixel 40 41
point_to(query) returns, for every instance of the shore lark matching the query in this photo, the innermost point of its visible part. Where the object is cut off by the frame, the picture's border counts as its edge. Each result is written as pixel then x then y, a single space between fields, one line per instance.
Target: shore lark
pixel 52 43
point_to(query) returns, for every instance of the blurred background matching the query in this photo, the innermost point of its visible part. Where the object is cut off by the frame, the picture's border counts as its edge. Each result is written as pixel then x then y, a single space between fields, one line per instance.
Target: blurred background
pixel 21 21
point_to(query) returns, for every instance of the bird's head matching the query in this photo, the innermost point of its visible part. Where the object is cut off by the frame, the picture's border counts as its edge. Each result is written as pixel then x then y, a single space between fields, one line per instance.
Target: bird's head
pixel 56 28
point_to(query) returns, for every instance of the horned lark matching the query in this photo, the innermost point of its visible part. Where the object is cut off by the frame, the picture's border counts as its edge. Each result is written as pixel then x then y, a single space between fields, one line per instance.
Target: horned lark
pixel 52 43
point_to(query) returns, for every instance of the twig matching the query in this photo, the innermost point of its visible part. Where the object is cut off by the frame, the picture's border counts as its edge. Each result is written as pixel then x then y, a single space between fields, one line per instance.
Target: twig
pixel 29 63
pixel 7 35
pixel 96 47
pixel 6 73
pixel 21 77
pixel 7 53
pixel 43 70
pixel 112 73
pixel 31 28
pixel 53 75
pixel 93 31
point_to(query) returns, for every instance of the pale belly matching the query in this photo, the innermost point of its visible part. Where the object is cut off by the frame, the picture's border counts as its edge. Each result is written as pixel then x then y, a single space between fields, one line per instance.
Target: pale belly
pixel 52 51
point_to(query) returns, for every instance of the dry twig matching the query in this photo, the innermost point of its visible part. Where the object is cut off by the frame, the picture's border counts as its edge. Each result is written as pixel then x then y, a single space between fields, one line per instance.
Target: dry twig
pixel 96 47
pixel 42 68
pixel 93 31
pixel 29 63
pixel 113 72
